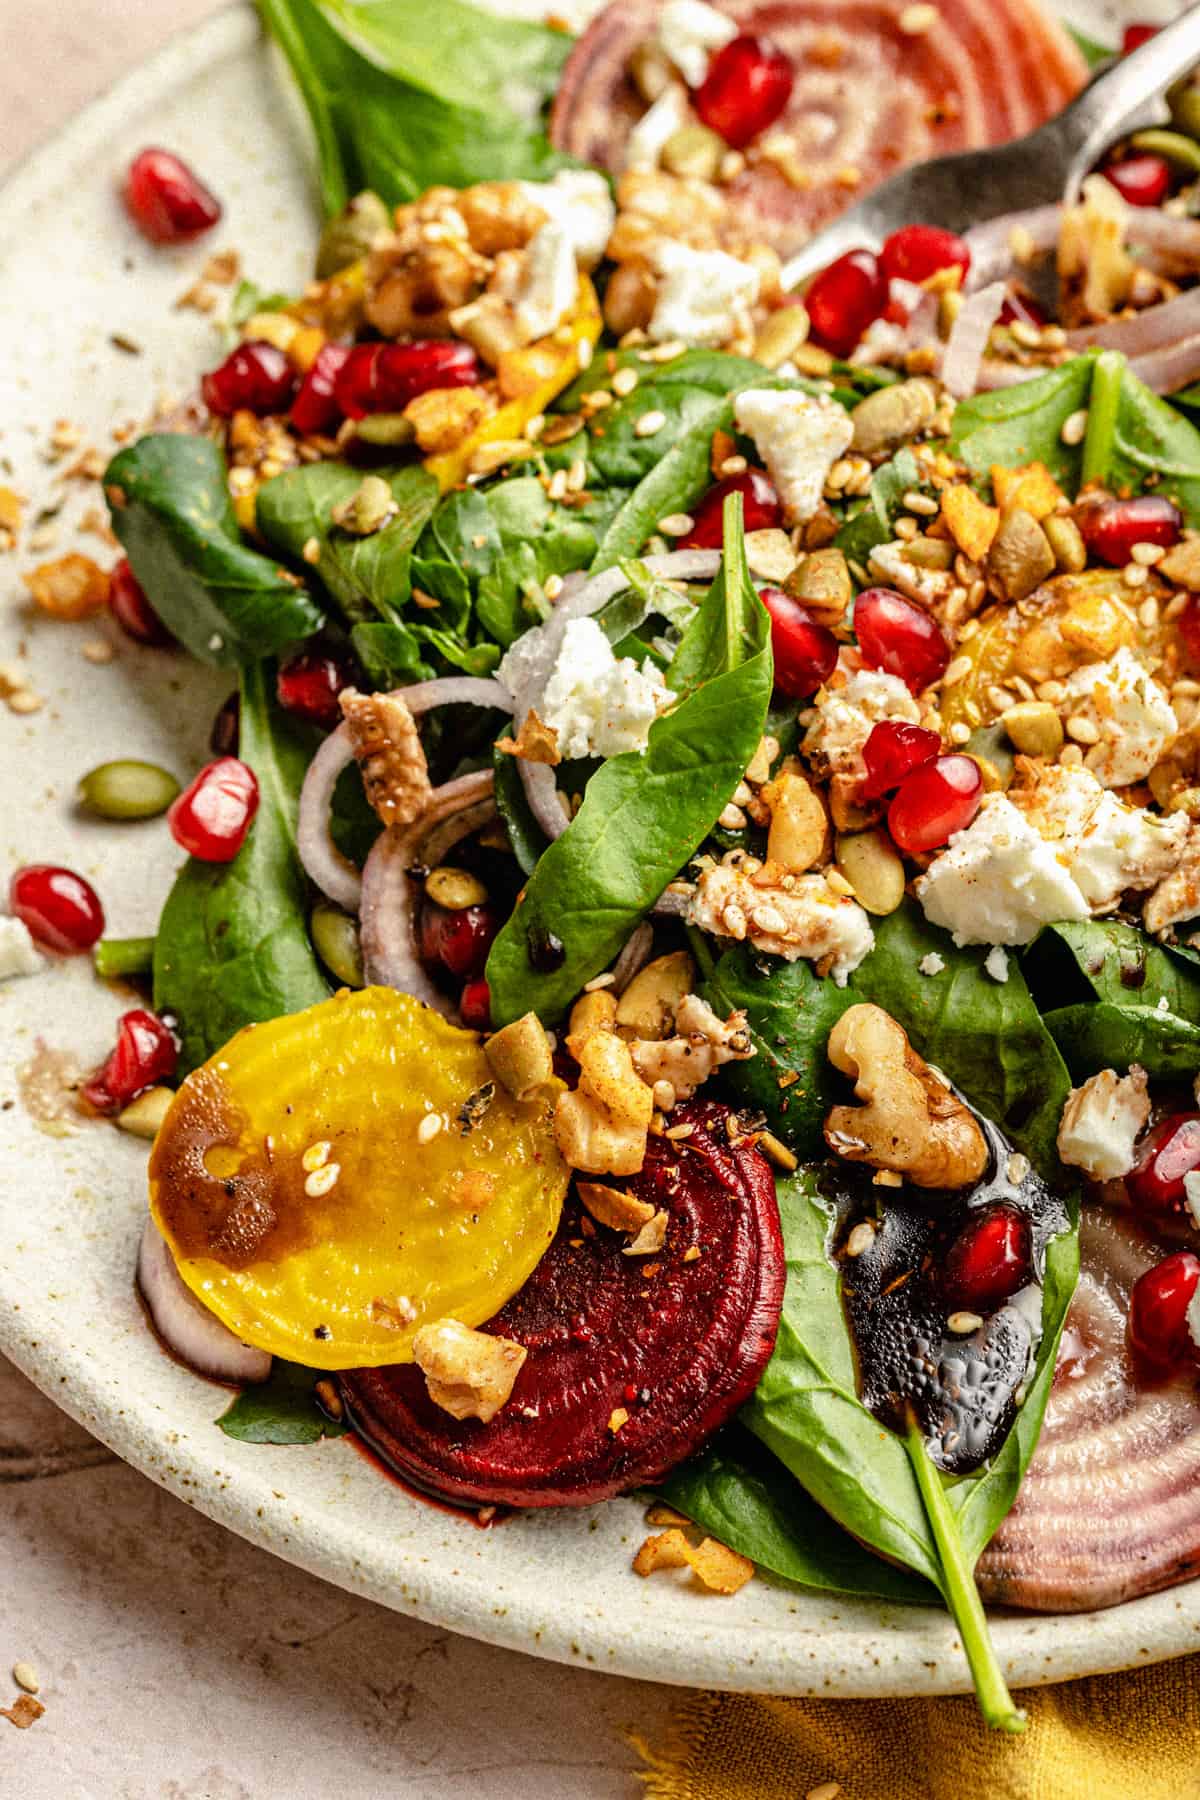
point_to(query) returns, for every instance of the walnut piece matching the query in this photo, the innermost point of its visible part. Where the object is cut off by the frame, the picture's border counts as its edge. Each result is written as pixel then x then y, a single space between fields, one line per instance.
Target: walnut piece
pixel 908 1121
pixel 387 748
pixel 718 1568
pixel 702 1043
pixel 614 1207
pixel 601 1126
pixel 469 1374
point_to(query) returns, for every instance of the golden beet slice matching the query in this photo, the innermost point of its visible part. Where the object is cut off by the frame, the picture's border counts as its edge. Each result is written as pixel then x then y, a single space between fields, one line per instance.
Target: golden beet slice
pixel 312 1202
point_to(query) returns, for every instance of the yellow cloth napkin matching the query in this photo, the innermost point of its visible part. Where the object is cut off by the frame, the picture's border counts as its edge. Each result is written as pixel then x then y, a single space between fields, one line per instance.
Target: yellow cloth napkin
pixel 1134 1736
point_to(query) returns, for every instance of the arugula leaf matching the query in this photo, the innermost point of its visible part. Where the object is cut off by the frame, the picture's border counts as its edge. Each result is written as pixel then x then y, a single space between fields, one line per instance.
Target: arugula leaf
pixel 642 815
pixel 987 1035
pixel 747 1500
pixel 170 507
pixel 871 525
pixel 232 948
pixel 282 1409
pixel 389 653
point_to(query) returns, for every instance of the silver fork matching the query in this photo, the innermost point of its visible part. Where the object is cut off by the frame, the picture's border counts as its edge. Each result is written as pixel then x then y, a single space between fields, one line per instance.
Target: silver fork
pixel 1045 165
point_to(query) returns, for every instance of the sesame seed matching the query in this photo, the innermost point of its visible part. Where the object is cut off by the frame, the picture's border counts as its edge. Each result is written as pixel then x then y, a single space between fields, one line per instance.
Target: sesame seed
pixel 649 423
pixel 731 165
pixel 921 503
pixel 916 20
pixel 624 381
pixel 963 1322
pixel 679 1131
pixel 827 1790
pixel 1053 691
pixel 1148 613
pixel 321 1180
pixel 1000 699
pixel 676 524
pixel 1017 1168
pixel 535 427
pixel 429 1127
pixel 861 1238
pixel 1070 756
pixel 1082 729
pixel 1029 336
pixel 598 399
pixel 1147 554
pixel 576 475
pixel 1175 606
pixel 1135 575
pixel 316 1156
pixel 558 485
pixel 836 882
pixel 1074 427
pixel 776 1152
pixel 665 353
pixel 906 529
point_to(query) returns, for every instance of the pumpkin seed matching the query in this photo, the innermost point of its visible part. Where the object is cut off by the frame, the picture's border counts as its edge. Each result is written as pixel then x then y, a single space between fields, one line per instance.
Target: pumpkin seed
pixel 143 1116
pixel 127 790
pixel 350 235
pixel 455 889
pixel 873 868
pixel 1183 151
pixel 335 940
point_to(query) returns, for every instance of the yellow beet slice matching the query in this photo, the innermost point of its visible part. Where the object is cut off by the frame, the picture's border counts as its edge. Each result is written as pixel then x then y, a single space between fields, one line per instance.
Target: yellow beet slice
pixel 309 1205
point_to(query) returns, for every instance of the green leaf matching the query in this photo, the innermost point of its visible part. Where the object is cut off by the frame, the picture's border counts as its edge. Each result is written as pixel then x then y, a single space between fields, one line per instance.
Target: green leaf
pixel 724 631
pixel 454 51
pixel 1115 997
pixel 282 1409
pixel 1022 424
pixel 249 298
pixel 872 524
pixel 712 371
pixel 528 840
pixel 1104 1036
pixel 642 817
pixel 1093 53
pixel 170 508
pixel 232 948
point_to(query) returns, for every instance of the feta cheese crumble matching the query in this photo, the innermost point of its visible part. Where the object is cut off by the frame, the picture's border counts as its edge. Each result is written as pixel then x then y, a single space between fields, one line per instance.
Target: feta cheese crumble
pixel 846 716
pixel 545 287
pixel 581 203
pixel 1130 711
pixel 800 437
pixel 689 31
pixel 804 918
pixel 996 963
pixel 18 955
pixel 1101 1122
pixel 999 881
pixel 704 296
pixel 933 964
pixel 1108 847
pixel 653 131
pixel 596 704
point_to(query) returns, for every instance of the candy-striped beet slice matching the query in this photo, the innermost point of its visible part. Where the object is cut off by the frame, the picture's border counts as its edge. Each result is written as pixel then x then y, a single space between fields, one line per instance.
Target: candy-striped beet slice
pixel 633 1360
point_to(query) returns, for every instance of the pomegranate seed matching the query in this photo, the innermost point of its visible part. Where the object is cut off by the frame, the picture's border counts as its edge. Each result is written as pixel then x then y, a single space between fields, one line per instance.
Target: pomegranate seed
pixel 893 751
pixel 1020 308
pixel 1169 1151
pixel 166 201
pixel 225 735
pixel 385 377
pixel 805 653
pixel 256 377
pixel 145 1054
pixel 916 252
pixel 761 510
pixel 459 941
pixel 899 637
pixel 1134 36
pixel 844 299
pixel 58 908
pixel 1158 1309
pixel 1111 528
pixel 989 1259
pixel 1189 627
pixel 748 84
pixel 309 683
pixel 935 801
pixel 475 1005
pixel 211 817
pixel 131 609
pixel 1143 180
pixel 315 407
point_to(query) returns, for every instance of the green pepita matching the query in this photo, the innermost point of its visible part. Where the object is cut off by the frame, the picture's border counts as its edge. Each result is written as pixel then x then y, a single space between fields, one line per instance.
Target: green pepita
pixel 455 889
pixel 335 940
pixel 143 1116
pixel 1183 151
pixel 127 790
pixel 350 235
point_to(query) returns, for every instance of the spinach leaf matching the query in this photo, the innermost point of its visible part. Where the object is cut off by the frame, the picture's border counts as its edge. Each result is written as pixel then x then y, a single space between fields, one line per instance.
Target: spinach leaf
pixel 529 842
pixel 1103 959
pixel 712 371
pixel 642 815
pixel 282 1409
pixel 390 654
pixel 232 947
pixel 1105 1036
pixel 871 525
pixel 1093 53
pixel 453 50
pixel 170 507
pixel 747 1500
pixel 987 1035
pixel 723 632
pixel 1022 424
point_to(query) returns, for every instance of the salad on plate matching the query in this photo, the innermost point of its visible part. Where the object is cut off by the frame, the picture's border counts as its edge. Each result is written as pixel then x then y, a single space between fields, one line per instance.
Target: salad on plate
pixel 685 980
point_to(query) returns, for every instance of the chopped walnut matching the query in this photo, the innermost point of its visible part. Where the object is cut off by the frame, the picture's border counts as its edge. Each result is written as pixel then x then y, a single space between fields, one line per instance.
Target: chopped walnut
pixel 614 1207
pixel 417 275
pixel 782 915
pixel 909 1121
pixel 601 1127
pixel 536 742
pixel 443 418
pixel 702 1043
pixel 387 747
pixel 469 1374
pixel 499 215
pixel 718 1568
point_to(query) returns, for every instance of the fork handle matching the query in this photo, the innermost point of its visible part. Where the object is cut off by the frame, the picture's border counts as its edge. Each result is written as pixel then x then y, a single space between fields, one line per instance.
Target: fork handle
pixel 1110 106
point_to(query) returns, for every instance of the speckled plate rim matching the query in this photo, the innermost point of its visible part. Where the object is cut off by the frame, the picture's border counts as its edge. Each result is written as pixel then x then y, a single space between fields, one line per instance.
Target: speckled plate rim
pixel 554 1585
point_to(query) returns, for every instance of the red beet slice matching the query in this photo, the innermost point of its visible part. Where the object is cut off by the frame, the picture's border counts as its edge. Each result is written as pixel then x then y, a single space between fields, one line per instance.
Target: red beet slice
pixel 676 1345
pixel 866 95
pixel 1110 1506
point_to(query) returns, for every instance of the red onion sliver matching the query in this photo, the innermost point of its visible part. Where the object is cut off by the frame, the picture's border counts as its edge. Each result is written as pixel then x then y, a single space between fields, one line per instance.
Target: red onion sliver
pixel 991 244
pixel 968 339
pixel 333 873
pixel 1171 367
pixel 185 1325
pixel 541 791
pixel 633 957
pixel 454 690
pixel 1157 328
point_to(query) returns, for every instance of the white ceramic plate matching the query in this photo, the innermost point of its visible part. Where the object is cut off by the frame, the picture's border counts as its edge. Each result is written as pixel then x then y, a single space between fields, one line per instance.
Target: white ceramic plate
pixel 557 1584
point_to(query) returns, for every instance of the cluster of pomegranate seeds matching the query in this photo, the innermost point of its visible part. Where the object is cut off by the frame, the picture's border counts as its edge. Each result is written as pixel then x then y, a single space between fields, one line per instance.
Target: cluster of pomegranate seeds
pixel 377 378
pixel 748 84
pixel 916 252
pixel 899 637
pixel 1158 1308
pixel 805 653
pixel 309 683
pixel 761 510
pixel 893 750
pixel 131 609
pixel 991 1258
pixel 166 201
pixel 145 1054
pixel 59 909
pixel 315 407
pixel 1142 180
pixel 1110 528
pixel 458 941
pixel 935 801
pixel 475 1005
pixel 844 299
pixel 211 817
pixel 1169 1151
pixel 256 377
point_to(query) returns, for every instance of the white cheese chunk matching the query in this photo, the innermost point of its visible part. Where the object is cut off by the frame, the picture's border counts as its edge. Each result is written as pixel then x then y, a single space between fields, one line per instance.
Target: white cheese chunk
pixel 657 126
pixel 1131 713
pixel 1101 1122
pixel 703 296
pixel 581 202
pixel 599 705
pixel 1108 847
pixel 807 919
pixel 18 955
pixel 800 437
pixel 996 963
pixel 546 285
pixel 891 563
pixel 999 881
pixel 689 31
pixel 933 964
pixel 846 716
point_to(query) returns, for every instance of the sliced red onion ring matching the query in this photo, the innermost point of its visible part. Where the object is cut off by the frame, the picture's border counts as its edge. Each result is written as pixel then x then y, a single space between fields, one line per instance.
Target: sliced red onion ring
pixel 1154 329
pixel 541 791
pixel 1172 367
pixel 454 690
pixel 968 339
pixel 990 244
pixel 441 840
pixel 186 1326
pixel 633 957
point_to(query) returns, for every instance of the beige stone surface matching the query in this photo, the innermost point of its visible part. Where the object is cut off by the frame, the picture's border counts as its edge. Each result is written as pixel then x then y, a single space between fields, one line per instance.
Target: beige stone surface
pixel 175 1661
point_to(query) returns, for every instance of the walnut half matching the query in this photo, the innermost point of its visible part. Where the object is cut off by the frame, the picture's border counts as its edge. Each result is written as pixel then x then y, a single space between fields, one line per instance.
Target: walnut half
pixel 909 1121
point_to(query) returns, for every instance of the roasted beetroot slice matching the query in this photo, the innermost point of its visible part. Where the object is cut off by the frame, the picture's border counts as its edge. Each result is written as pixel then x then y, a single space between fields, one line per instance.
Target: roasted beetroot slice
pixel 867 97
pixel 1110 1505
pixel 676 1345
